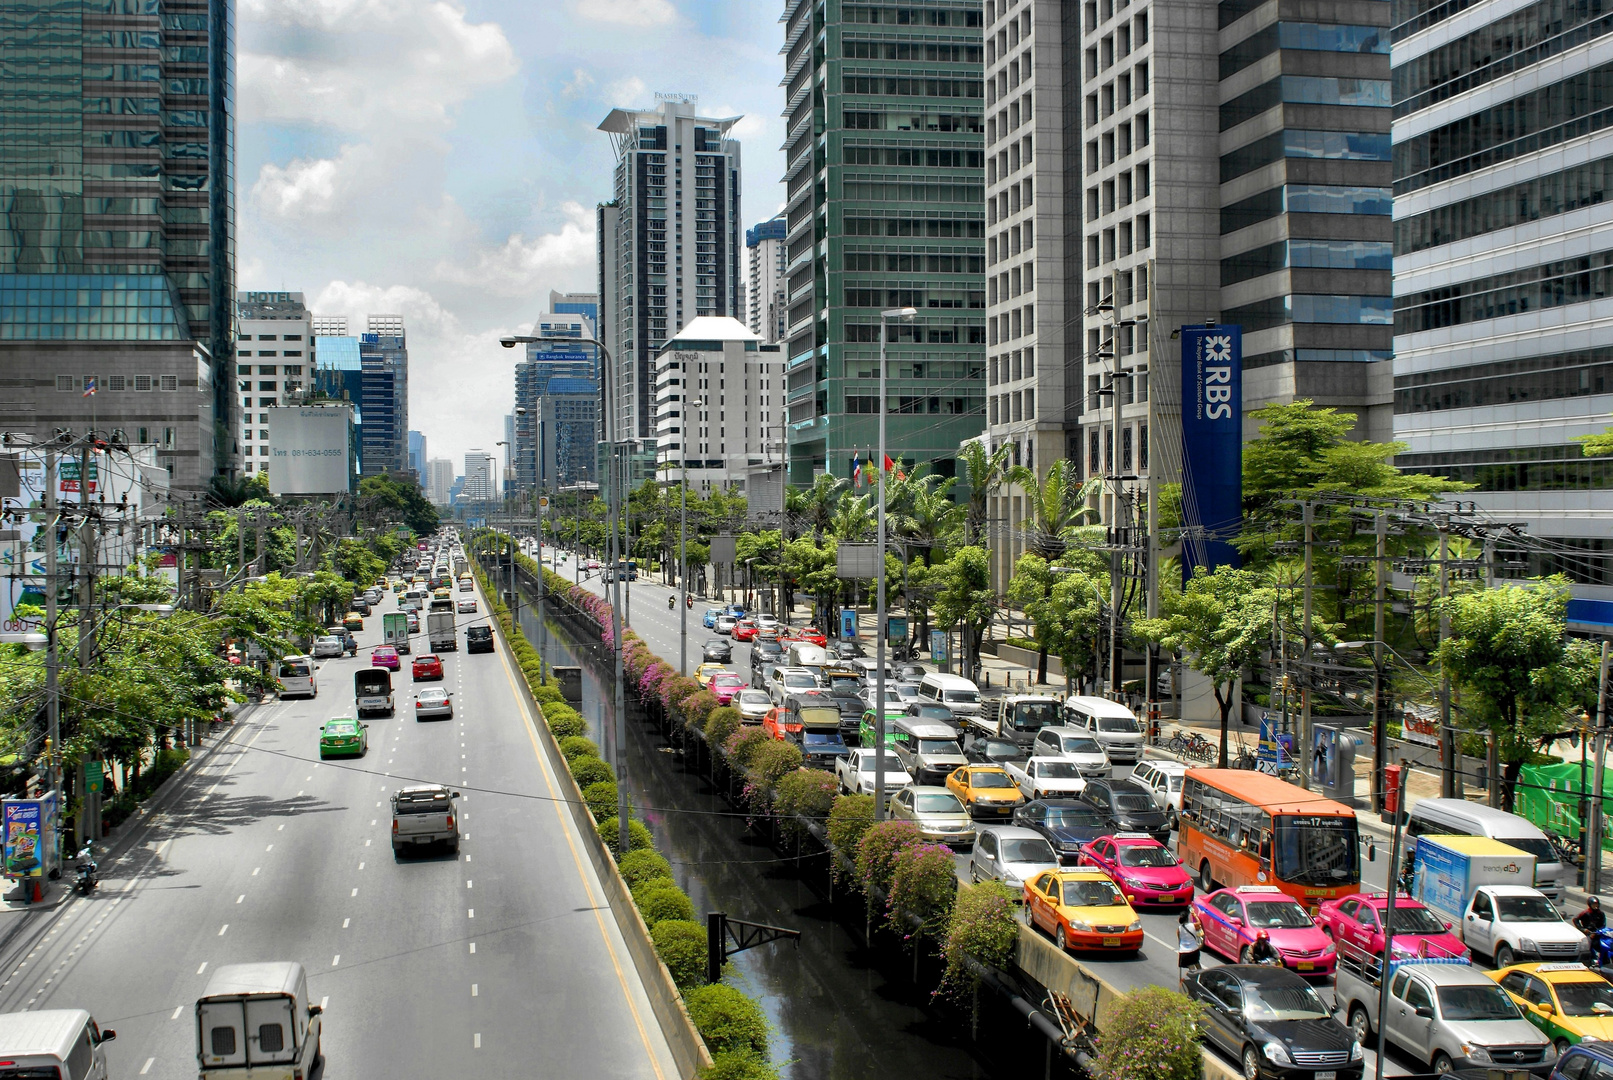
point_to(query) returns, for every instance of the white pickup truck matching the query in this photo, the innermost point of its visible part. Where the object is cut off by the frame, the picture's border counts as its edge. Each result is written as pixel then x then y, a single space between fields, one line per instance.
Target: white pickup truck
pixel 423 816
pixel 1039 777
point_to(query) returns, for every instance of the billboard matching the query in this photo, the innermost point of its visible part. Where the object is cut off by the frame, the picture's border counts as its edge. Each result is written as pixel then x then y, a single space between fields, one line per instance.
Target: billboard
pixel 310 450
pixel 1212 445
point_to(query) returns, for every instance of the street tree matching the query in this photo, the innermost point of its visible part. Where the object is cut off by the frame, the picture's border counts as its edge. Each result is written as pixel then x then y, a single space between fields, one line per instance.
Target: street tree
pixel 402 501
pixel 983 473
pixel 1066 609
pixel 1053 506
pixel 964 598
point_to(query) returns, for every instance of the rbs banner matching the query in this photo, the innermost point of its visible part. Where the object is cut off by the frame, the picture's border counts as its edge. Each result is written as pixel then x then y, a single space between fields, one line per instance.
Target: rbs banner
pixel 1212 445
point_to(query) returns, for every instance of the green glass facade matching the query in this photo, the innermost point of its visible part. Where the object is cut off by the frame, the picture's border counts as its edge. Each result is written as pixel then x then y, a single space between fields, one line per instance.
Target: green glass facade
pixel 117 172
pixel 886 208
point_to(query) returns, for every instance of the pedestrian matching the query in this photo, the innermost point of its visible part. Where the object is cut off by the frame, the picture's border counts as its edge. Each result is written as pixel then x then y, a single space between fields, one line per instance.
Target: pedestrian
pixel 1189 942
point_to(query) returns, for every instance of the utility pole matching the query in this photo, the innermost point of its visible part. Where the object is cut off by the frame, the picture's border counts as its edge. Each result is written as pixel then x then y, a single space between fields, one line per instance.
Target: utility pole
pixel 1380 717
pixel 1449 751
pixel 543 504
pixel 1117 534
pixel 1306 737
pixel 53 689
pixel 1593 846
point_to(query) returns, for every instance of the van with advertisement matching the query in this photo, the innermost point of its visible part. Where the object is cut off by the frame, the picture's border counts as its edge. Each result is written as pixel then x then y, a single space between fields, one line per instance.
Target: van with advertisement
pixel 395 631
pixel 372 691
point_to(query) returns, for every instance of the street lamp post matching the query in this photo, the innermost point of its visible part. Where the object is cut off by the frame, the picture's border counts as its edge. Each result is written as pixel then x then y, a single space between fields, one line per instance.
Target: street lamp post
pixel 885 317
pixel 683 526
pixel 613 497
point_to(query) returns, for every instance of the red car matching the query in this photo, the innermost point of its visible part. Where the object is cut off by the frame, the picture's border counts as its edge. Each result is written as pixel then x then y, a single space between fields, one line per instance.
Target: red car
pixel 725 684
pixel 427 667
pixel 385 656
pixel 744 630
pixel 1232 917
pixel 1145 869
pixel 1356 926
pixel 810 633
pixel 777 724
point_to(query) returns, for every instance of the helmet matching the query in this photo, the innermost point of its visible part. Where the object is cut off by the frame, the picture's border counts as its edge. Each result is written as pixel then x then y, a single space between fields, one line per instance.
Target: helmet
pixel 1262 936
pixel 1595 903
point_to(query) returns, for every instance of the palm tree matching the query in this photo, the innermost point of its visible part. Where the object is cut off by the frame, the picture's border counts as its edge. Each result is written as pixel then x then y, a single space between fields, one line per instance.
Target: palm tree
pixel 818 502
pixel 852 519
pixel 1054 506
pixel 984 473
pixel 930 516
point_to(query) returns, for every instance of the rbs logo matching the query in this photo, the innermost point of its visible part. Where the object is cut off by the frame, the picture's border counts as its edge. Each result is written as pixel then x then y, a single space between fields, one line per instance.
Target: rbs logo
pixel 1217 377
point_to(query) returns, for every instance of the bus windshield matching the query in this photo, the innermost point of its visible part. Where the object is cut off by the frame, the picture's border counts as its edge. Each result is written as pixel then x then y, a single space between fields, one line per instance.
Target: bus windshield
pixel 1319 851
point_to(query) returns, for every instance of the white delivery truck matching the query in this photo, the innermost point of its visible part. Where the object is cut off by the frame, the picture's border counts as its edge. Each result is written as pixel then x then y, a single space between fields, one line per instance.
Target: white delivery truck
pixel 440 631
pixel 1016 716
pixel 254 1022
pixel 1482 887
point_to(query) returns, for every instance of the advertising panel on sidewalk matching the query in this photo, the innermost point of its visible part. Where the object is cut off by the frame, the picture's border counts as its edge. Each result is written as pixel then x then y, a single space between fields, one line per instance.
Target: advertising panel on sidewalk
pixel 1212 445
pixel 30 838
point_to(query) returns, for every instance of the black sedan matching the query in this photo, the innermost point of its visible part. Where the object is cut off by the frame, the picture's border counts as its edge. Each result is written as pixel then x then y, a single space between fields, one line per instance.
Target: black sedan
pixel 993 751
pixel 1127 806
pixel 1067 824
pixel 1273 1024
pixel 717 651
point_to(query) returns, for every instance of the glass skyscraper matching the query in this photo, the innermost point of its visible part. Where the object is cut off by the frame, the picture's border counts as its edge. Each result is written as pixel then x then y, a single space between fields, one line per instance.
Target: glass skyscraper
pixel 117 194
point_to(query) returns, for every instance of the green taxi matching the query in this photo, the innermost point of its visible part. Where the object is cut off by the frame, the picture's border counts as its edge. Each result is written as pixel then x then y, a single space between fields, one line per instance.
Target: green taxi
pixel 343 737
pixel 865 730
pixel 1569 1002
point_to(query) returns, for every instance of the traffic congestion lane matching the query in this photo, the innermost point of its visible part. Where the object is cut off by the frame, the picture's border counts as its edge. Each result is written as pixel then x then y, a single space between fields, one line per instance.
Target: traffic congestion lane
pixel 426 965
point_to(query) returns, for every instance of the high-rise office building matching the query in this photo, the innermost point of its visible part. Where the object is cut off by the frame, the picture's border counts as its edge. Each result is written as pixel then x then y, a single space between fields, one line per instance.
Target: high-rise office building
pixel 274 360
pixel 417 454
pixel 117 256
pixel 765 291
pixel 717 388
pixel 886 209
pixel 1033 244
pixel 674 249
pixel 567 432
pixel 1503 237
pixel 563 357
pixel 584 304
pixel 439 481
pixel 385 352
pixel 481 477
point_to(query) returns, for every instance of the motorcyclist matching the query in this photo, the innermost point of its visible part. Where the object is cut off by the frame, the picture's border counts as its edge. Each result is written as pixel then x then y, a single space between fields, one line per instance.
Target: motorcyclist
pixel 1263 951
pixel 1591 919
pixel 671 602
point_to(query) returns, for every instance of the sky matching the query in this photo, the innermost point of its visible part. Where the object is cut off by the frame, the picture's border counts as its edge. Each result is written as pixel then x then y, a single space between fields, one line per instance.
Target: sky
pixel 442 160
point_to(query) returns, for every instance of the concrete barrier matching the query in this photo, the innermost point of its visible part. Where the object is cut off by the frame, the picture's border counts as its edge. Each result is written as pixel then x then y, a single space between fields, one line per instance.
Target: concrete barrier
pixel 1041 961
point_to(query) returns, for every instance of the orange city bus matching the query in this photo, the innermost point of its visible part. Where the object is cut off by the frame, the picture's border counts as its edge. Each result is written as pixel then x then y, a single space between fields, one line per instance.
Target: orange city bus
pixel 1240 827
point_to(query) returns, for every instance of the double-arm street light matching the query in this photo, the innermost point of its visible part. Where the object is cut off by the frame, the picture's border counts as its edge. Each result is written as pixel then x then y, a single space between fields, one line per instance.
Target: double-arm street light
pixel 683 522
pixel 613 502
pixel 905 314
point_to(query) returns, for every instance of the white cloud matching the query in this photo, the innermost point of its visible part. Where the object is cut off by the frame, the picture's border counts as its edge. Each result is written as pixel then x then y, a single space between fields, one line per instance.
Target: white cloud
pixel 309 187
pixel 359 65
pixel 522 266
pixel 580 81
pixel 628 12
pixel 628 93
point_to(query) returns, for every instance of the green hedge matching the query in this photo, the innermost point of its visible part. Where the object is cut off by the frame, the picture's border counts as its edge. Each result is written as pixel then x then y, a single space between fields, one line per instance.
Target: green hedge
pixel 735 1066
pixel 721 724
pixel 588 771
pixel 637 867
pixel 601 799
pixel 660 899
pixel 563 726
pixel 681 945
pixel 638 834
pixel 575 746
pixel 730 1022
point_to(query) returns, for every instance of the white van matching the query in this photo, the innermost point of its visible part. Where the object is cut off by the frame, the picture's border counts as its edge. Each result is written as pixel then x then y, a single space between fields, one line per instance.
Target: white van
pixel 1112 724
pixel 62 1043
pixel 297 677
pixel 254 1020
pixel 954 691
pixel 1458 817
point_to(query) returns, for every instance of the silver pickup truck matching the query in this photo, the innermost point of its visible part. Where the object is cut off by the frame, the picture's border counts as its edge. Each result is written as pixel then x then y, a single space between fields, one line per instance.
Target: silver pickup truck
pixel 422 816
pixel 1445 1012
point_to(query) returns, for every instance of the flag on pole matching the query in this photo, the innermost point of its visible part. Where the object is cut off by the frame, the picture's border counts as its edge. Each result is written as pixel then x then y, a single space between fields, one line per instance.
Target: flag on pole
pixel 856 470
pixel 89 386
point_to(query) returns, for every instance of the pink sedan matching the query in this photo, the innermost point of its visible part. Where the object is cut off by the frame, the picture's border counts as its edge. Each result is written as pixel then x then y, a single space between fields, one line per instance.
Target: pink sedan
pixel 385 656
pixel 725 684
pixel 1145 870
pixel 1356 924
pixel 1232 917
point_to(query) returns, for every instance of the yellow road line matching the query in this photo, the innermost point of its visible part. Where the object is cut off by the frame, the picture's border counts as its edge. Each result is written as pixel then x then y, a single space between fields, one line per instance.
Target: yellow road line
pixel 594 901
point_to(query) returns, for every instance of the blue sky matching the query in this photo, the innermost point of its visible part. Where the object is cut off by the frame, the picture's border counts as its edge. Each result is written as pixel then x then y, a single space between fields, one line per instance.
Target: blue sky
pixel 440 159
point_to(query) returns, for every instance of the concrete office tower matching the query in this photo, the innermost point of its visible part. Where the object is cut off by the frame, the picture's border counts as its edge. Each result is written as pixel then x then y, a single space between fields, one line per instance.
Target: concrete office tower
pixel 1033 301
pixel 417 454
pixel 439 480
pixel 385 353
pixel 330 326
pixel 117 251
pixel 1503 243
pixel 716 389
pixel 274 360
pixel 765 294
pixel 675 241
pixel 563 357
pixel 886 208
pixel 584 304
pixel 481 477
pixel 1305 227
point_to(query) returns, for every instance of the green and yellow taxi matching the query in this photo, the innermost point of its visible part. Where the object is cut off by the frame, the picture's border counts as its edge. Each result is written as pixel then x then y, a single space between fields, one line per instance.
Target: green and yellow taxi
pixel 343 737
pixel 1570 1003
pixel 353 621
pixel 867 729
pixel 398 586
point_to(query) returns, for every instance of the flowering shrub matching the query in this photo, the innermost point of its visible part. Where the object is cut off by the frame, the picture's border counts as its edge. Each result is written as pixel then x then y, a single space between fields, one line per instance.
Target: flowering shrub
pixel 697 708
pixel 877 851
pixel 650 683
pixel 744 743
pixel 924 882
pixel 804 792
pixel 849 818
pixel 1150 1034
pixel 768 763
pixel 722 723
pixel 985 926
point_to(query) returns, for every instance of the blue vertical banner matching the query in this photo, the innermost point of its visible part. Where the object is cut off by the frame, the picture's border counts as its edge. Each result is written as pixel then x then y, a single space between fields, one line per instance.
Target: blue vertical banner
pixel 1212 445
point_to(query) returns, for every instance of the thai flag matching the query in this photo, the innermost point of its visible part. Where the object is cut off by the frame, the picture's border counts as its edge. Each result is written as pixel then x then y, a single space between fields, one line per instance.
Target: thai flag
pixel 89 386
pixel 856 471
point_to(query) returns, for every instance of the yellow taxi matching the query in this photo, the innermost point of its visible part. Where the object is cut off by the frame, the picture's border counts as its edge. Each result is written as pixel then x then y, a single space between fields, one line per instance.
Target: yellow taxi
pixel 442 594
pixel 399 585
pixel 704 672
pixel 1083 909
pixel 986 791
pixel 353 621
pixel 1570 1003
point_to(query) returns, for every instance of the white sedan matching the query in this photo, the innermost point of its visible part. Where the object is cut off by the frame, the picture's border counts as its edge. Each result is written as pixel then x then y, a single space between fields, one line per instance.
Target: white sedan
pixel 433 702
pixel 856 772
pixel 327 646
pixel 467 606
pixel 1040 777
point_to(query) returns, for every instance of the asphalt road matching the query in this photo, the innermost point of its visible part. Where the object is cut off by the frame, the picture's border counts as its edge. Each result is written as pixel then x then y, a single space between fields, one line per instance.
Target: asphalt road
pixel 500 961
pixel 658 625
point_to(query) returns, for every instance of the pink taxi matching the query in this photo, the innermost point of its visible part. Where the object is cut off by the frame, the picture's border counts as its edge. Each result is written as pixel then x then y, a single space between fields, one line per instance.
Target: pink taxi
pixel 1356 923
pixel 1232 917
pixel 1145 870
pixel 725 684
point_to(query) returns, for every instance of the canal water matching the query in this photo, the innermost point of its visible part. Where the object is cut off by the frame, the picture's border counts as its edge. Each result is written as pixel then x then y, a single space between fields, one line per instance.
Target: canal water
pixel 839 1010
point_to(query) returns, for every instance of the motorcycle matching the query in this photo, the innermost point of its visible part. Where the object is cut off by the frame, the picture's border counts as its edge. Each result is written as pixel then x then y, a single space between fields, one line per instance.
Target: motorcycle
pixel 88 873
pixel 1596 951
pixel 671 602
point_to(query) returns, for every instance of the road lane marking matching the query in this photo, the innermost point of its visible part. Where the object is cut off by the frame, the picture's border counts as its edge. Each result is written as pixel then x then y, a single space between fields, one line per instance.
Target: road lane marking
pixel 346 921
pixel 474 992
pixel 177 1010
pixel 467 883
pixel 147 1066
pixel 255 870
pixel 324 1002
pixel 298 795
pixel 282 827
pixel 337 959
pixel 240 898
pixel 373 820
pixel 472 914
pixel 361 866
pixel 269 848
pixel 473 948
pixel 477 1042
pixel 202 968
pixel 367 843
pixel 355 892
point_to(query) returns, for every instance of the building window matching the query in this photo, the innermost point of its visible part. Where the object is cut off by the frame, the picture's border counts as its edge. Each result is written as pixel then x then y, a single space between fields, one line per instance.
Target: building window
pixel 170 382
